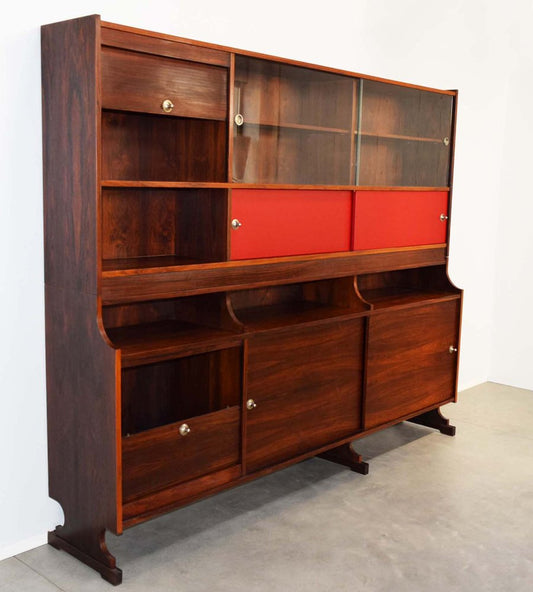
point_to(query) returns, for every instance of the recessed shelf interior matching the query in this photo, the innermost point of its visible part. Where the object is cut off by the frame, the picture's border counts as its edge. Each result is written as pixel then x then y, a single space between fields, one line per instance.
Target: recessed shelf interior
pixel 262 309
pixel 146 227
pixel 158 394
pixel 406 287
pixel 140 146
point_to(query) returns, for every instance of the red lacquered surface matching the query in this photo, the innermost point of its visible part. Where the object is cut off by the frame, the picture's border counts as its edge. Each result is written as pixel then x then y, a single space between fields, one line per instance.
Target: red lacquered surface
pixel 276 223
pixel 399 218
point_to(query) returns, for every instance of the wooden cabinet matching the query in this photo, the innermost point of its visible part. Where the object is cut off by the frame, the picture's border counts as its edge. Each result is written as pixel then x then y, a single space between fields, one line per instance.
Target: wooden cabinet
pixel 245 266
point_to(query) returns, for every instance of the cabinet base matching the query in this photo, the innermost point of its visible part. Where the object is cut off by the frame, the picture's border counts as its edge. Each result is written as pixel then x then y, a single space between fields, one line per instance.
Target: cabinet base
pixel 346 455
pixel 435 419
pixel 105 566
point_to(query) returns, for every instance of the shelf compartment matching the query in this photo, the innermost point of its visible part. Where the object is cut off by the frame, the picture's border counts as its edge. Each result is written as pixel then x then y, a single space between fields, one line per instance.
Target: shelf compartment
pixel 278 307
pixel 164 393
pixel 387 219
pixel 161 457
pixel 154 342
pixel 141 147
pixel 297 124
pixel 159 330
pixel 407 287
pixel 405 136
pixel 162 227
pixel 279 223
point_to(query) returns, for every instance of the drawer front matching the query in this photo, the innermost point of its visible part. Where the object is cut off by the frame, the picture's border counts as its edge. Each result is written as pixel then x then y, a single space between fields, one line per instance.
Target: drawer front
pixel 139 82
pixel 307 387
pixel 161 457
pixel 386 219
pixel 289 222
pixel 410 366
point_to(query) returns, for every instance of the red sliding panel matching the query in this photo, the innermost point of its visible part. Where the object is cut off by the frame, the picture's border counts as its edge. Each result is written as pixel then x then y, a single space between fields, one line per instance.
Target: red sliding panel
pixel 277 223
pixel 399 219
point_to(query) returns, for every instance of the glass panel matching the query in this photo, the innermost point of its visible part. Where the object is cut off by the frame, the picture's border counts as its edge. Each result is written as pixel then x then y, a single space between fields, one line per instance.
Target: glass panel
pixel 404 136
pixel 297 124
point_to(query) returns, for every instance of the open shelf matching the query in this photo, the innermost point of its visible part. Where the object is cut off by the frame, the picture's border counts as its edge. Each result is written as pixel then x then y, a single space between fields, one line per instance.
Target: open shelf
pixel 406 287
pixel 400 297
pixel 147 343
pixel 264 309
pixel 147 227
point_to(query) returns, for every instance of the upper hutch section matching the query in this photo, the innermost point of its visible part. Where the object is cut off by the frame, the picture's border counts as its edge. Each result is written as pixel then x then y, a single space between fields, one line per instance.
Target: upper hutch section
pixel 179 111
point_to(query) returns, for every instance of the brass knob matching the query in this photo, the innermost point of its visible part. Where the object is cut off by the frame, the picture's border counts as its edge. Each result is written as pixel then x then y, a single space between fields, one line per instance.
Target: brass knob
pixel 443 217
pixel 238 119
pixel 251 404
pixel 167 105
pixel 235 224
pixel 452 349
pixel 184 429
pixel 446 141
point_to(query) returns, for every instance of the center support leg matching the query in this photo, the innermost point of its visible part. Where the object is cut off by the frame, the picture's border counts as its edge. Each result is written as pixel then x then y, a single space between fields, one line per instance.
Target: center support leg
pixel 346 455
pixel 435 419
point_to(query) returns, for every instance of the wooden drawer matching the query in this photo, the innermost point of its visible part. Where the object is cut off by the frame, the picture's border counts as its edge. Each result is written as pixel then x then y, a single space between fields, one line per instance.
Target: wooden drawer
pixel 277 223
pixel 141 82
pixel 386 219
pixel 157 458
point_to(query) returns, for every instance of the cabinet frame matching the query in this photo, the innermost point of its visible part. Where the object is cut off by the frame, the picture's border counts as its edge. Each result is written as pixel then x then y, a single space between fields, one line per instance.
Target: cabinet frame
pixel 84 356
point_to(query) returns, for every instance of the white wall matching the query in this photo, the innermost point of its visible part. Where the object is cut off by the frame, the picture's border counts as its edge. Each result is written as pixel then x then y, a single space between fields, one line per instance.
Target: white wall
pixel 465 44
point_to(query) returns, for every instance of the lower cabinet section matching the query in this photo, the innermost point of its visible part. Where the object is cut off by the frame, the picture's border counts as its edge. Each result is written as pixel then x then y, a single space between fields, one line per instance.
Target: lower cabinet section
pixel 306 385
pixel 412 360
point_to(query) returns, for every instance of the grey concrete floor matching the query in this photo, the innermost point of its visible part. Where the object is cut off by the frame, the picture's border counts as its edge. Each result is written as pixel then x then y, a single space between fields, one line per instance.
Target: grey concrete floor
pixel 435 513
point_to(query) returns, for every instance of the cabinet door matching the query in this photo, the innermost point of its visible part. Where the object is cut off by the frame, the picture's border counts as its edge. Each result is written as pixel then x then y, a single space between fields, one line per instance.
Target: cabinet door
pixel 292 124
pixel 410 365
pixel 405 136
pixel 306 384
pixel 276 223
pixel 399 218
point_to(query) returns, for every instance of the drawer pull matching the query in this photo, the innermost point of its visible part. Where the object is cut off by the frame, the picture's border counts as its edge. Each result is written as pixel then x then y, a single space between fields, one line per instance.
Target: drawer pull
pixel 167 105
pixel 443 217
pixel 452 349
pixel 184 429
pixel 446 141
pixel 251 404
pixel 236 224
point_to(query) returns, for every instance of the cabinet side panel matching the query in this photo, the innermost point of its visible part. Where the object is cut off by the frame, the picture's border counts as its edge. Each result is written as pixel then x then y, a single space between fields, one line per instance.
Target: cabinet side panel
pixel 82 383
pixel 82 449
pixel 70 129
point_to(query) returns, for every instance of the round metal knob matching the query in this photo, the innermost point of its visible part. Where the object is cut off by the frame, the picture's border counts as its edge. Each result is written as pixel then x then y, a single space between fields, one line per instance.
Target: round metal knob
pixel 184 429
pixel 167 105
pixel 251 404
pixel 452 349
pixel 238 119
pixel 443 217
pixel 235 224
pixel 446 141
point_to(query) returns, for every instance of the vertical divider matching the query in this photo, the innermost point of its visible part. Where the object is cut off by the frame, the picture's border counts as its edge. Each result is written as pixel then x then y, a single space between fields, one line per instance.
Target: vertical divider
pixel 354 133
pixel 359 120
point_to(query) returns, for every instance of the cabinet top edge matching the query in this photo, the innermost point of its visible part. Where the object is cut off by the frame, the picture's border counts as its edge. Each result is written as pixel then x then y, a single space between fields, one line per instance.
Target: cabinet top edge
pixel 259 55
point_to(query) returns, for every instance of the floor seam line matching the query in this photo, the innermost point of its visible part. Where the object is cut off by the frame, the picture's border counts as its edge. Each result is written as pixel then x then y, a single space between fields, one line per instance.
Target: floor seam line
pixel 39 573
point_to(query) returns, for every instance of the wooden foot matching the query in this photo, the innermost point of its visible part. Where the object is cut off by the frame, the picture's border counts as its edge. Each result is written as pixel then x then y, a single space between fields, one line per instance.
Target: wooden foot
pixel 94 555
pixel 435 419
pixel 346 455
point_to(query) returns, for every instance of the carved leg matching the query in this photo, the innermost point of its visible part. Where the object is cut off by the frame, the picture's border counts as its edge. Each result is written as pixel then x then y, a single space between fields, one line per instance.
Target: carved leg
pixel 91 549
pixel 434 419
pixel 346 455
